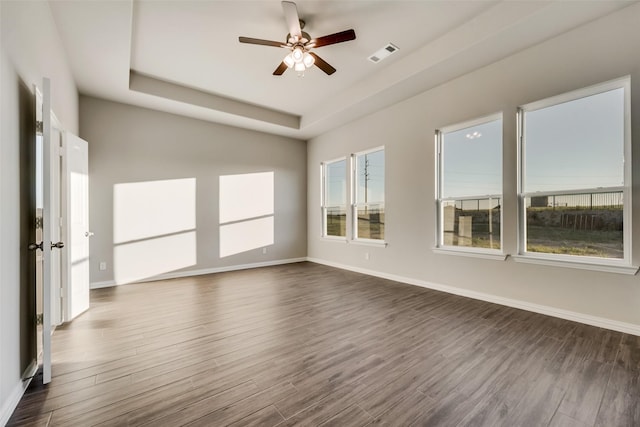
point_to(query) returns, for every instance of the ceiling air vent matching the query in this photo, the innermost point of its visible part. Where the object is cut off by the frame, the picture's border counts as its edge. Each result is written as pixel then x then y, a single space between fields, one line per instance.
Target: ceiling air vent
pixel 384 52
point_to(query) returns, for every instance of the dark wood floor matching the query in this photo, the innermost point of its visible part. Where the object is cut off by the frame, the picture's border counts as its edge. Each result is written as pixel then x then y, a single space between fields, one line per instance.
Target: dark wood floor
pixel 305 344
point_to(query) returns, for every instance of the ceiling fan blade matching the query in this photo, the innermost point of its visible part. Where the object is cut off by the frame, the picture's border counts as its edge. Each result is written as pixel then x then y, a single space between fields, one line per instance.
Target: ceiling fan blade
pixel 261 42
pixel 291 16
pixel 342 36
pixel 281 69
pixel 322 64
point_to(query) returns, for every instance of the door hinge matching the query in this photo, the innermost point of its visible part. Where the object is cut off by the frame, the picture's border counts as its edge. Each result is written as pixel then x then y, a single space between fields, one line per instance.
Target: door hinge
pixel 39 127
pixel 39 319
pixel 38 223
pixel 61 151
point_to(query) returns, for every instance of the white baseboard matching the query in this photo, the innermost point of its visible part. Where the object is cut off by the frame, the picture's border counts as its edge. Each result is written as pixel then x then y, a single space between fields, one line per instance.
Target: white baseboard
pixel 31 370
pixel 188 273
pixel 105 284
pixel 16 394
pixel 601 322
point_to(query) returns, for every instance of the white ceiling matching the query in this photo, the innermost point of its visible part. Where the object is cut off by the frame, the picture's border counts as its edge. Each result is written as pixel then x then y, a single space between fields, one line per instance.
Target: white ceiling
pixel 186 58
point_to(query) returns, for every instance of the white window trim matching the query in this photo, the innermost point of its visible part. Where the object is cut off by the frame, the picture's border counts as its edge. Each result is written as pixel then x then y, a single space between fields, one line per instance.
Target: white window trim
pixel 579 262
pixel 354 197
pixel 369 242
pixel 337 239
pixel 470 123
pixel 493 254
pixel 440 247
pixel 323 197
pixel 574 261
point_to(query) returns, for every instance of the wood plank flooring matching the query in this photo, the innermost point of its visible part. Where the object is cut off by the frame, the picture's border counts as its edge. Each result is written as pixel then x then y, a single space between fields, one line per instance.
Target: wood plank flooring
pixel 309 345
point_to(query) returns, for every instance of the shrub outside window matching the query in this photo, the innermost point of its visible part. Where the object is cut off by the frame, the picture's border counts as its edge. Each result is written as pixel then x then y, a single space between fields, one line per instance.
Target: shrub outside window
pixel 469 157
pixel 368 195
pixel 574 181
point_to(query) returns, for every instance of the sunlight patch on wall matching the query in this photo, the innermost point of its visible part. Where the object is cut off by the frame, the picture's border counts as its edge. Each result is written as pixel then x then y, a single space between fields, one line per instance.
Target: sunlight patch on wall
pixel 150 257
pixel 245 196
pixel 153 208
pixel 245 235
pixel 154 228
pixel 246 212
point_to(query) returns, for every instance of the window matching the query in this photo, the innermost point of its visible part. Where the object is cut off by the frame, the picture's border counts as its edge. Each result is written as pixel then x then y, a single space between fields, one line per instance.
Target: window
pixel 574 181
pixel 470 184
pixel 334 198
pixel 368 195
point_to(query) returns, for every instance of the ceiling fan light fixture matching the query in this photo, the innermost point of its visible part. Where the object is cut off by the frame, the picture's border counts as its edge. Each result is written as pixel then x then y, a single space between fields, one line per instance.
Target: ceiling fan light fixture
pixel 289 60
pixel 297 54
pixel 298 43
pixel 308 60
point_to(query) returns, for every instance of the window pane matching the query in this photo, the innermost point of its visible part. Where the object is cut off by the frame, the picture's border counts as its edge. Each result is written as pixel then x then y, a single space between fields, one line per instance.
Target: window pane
pixel 472 161
pixel 472 223
pixel 576 145
pixel 471 185
pixel 369 185
pixel 336 221
pixel 371 221
pixel 336 183
pixel 587 224
pixel 370 177
pixel 335 198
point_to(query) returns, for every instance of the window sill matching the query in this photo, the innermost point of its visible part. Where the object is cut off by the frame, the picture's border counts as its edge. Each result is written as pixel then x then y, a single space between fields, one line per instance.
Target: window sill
pixel 497 256
pixel 336 239
pixel 609 267
pixel 369 242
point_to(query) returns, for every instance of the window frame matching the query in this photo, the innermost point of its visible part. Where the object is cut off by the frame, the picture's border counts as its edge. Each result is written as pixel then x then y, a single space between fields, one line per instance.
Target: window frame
pixel 323 199
pixel 622 265
pixel 354 197
pixel 440 247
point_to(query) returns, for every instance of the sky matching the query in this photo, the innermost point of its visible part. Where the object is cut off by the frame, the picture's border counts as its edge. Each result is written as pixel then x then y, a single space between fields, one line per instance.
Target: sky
pixel 576 145
pixel 372 164
pixel 370 186
pixel 472 165
pixel 570 146
pixel 336 176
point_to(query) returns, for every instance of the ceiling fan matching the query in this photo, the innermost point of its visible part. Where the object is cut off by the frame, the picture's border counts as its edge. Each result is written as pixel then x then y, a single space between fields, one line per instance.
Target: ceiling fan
pixel 300 44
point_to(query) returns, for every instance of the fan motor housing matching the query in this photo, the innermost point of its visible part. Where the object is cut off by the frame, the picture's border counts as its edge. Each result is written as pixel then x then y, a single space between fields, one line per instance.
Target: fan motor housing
pixel 305 35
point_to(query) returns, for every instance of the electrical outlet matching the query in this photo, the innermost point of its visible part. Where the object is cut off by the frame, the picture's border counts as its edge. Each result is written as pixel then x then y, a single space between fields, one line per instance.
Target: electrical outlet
pixel 366 256
pixel 264 250
pixel 103 266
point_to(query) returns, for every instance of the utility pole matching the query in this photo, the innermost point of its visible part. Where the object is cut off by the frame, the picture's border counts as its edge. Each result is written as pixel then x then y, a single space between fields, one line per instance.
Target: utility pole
pixel 366 183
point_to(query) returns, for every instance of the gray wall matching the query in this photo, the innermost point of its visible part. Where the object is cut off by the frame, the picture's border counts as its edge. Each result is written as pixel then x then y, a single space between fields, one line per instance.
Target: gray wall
pixel 133 145
pixel 600 51
pixel 31 49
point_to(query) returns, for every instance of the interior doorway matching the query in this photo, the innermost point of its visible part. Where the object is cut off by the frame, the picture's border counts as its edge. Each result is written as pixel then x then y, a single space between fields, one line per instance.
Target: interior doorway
pixel 55 226
pixel 46 239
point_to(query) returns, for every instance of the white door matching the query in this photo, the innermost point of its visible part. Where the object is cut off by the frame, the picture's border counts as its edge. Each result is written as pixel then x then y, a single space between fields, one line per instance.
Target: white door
pixel 76 200
pixel 46 244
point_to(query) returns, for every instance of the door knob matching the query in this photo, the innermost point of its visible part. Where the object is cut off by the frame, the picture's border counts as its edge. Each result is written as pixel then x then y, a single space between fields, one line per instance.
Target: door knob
pixel 58 245
pixel 34 246
pixel 88 233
